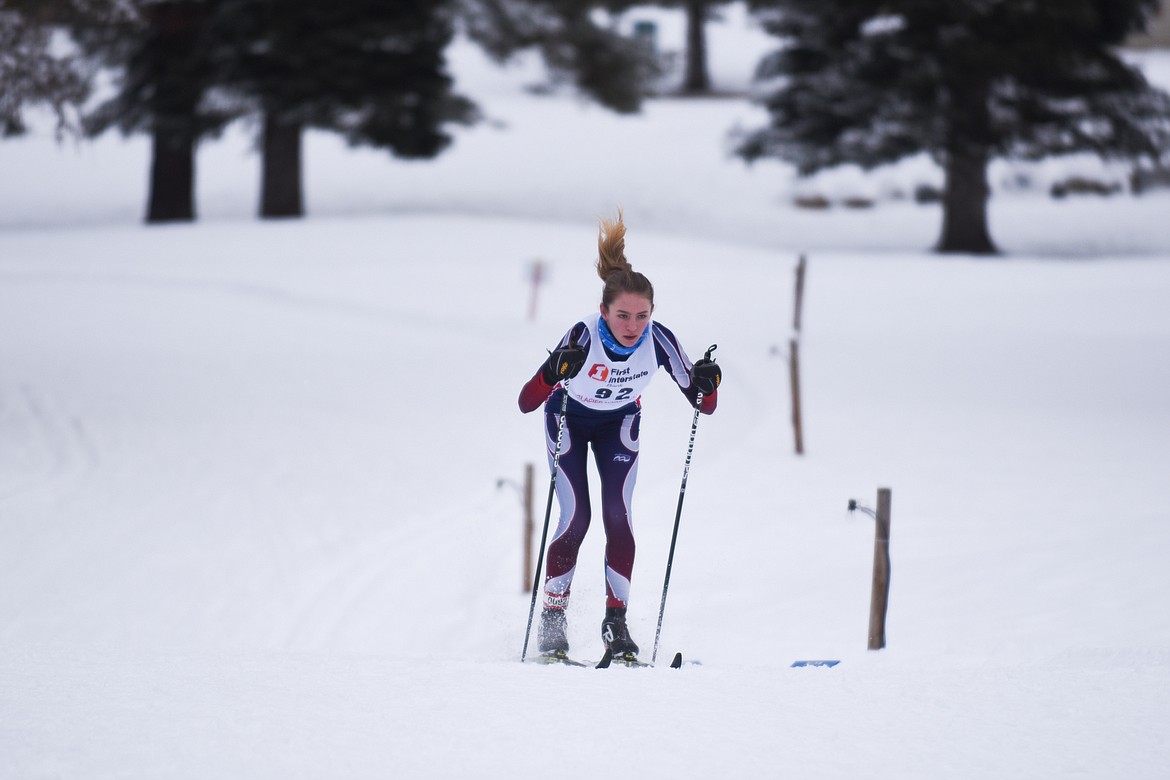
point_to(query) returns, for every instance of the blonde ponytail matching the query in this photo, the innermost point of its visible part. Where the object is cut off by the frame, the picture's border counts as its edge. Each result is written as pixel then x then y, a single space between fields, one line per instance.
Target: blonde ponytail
pixel 613 267
pixel 611 247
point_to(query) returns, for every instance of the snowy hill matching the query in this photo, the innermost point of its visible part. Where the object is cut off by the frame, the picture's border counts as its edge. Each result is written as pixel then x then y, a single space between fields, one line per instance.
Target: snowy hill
pixel 250 519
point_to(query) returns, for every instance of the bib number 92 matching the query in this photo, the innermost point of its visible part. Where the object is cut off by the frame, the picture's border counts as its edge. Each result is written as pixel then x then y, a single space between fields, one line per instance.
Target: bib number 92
pixel 605 393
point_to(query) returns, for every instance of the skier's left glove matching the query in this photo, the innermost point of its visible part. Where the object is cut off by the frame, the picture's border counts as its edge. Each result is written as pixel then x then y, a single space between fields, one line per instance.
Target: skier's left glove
pixel 706 376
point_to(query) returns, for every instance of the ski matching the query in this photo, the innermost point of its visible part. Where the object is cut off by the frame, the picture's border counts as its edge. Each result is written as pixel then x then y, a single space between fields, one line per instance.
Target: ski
pixel 621 659
pixel 630 660
pixel 558 657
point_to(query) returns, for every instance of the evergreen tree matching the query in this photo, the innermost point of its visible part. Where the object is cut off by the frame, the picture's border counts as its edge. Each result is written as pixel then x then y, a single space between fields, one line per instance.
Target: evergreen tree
pixel 612 69
pixel 696 74
pixel 31 74
pixel 375 71
pixel 873 81
pixel 160 54
pixel 369 70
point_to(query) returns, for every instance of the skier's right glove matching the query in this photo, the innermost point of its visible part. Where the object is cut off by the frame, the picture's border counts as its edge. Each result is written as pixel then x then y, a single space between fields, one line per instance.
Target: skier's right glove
pixel 706 376
pixel 563 363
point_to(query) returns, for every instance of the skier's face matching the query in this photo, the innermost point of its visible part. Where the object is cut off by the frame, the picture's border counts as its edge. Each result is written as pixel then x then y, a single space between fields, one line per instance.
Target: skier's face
pixel 627 317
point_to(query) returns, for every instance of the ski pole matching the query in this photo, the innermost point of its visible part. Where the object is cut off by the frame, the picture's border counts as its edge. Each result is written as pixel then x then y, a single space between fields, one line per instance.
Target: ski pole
pixel 552 487
pixel 678 513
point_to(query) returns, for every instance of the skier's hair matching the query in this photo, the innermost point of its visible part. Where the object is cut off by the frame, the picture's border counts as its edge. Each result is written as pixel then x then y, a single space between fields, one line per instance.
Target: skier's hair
pixel 613 267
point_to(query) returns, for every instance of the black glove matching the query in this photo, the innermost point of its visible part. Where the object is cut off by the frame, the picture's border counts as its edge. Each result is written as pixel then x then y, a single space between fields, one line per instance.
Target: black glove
pixel 706 376
pixel 563 363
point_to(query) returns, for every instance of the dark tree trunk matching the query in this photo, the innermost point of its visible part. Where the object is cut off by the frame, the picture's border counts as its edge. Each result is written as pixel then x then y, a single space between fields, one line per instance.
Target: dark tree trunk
pixel 172 83
pixel 172 178
pixel 969 137
pixel 280 195
pixel 695 78
pixel 965 206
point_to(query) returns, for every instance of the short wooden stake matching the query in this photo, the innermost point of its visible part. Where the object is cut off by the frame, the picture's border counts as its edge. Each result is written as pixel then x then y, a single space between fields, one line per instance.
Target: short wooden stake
pixel 794 358
pixel 880 595
pixel 794 381
pixel 799 307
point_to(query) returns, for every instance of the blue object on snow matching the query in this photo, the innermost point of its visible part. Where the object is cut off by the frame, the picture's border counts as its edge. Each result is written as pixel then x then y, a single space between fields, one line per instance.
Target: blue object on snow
pixel 815 663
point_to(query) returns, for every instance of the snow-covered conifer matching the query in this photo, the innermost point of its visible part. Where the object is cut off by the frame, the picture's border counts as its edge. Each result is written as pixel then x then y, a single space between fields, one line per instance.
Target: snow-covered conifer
pixel 872 81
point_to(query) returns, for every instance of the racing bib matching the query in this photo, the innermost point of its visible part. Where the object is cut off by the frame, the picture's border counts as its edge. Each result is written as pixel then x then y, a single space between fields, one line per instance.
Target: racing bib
pixel 607 384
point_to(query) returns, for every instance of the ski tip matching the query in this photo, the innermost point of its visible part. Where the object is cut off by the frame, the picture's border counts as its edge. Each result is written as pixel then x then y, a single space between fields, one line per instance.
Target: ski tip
pixel 826 663
pixel 676 663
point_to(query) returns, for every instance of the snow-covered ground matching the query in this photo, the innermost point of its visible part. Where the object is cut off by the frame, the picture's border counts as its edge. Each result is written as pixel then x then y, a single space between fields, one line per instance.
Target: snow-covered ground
pixel 251 521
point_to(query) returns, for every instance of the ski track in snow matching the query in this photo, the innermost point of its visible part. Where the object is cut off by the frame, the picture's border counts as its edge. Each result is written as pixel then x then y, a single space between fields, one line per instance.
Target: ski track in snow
pixel 43 445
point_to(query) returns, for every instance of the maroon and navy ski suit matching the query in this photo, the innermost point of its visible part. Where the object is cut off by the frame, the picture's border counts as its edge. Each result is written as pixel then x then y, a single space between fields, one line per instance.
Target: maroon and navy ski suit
pixel 612 430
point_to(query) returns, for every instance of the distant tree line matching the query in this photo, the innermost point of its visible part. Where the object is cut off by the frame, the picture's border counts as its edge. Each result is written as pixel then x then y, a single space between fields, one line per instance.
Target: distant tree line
pixel 864 82
pixel 371 71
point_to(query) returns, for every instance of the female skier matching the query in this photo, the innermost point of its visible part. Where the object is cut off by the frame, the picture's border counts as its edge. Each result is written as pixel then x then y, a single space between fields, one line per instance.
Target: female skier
pixel 619 348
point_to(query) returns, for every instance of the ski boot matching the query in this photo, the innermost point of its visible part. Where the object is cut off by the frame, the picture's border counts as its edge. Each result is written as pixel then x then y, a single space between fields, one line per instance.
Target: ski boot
pixel 616 637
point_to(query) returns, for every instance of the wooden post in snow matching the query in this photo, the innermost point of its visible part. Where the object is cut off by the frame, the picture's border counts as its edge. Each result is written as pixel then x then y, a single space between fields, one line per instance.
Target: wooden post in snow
pixel 880 595
pixel 535 276
pixel 794 381
pixel 794 359
pixel 529 529
pixel 800 266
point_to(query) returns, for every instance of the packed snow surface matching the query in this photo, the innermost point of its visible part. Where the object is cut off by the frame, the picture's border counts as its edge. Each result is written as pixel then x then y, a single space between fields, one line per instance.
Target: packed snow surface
pixel 259 482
